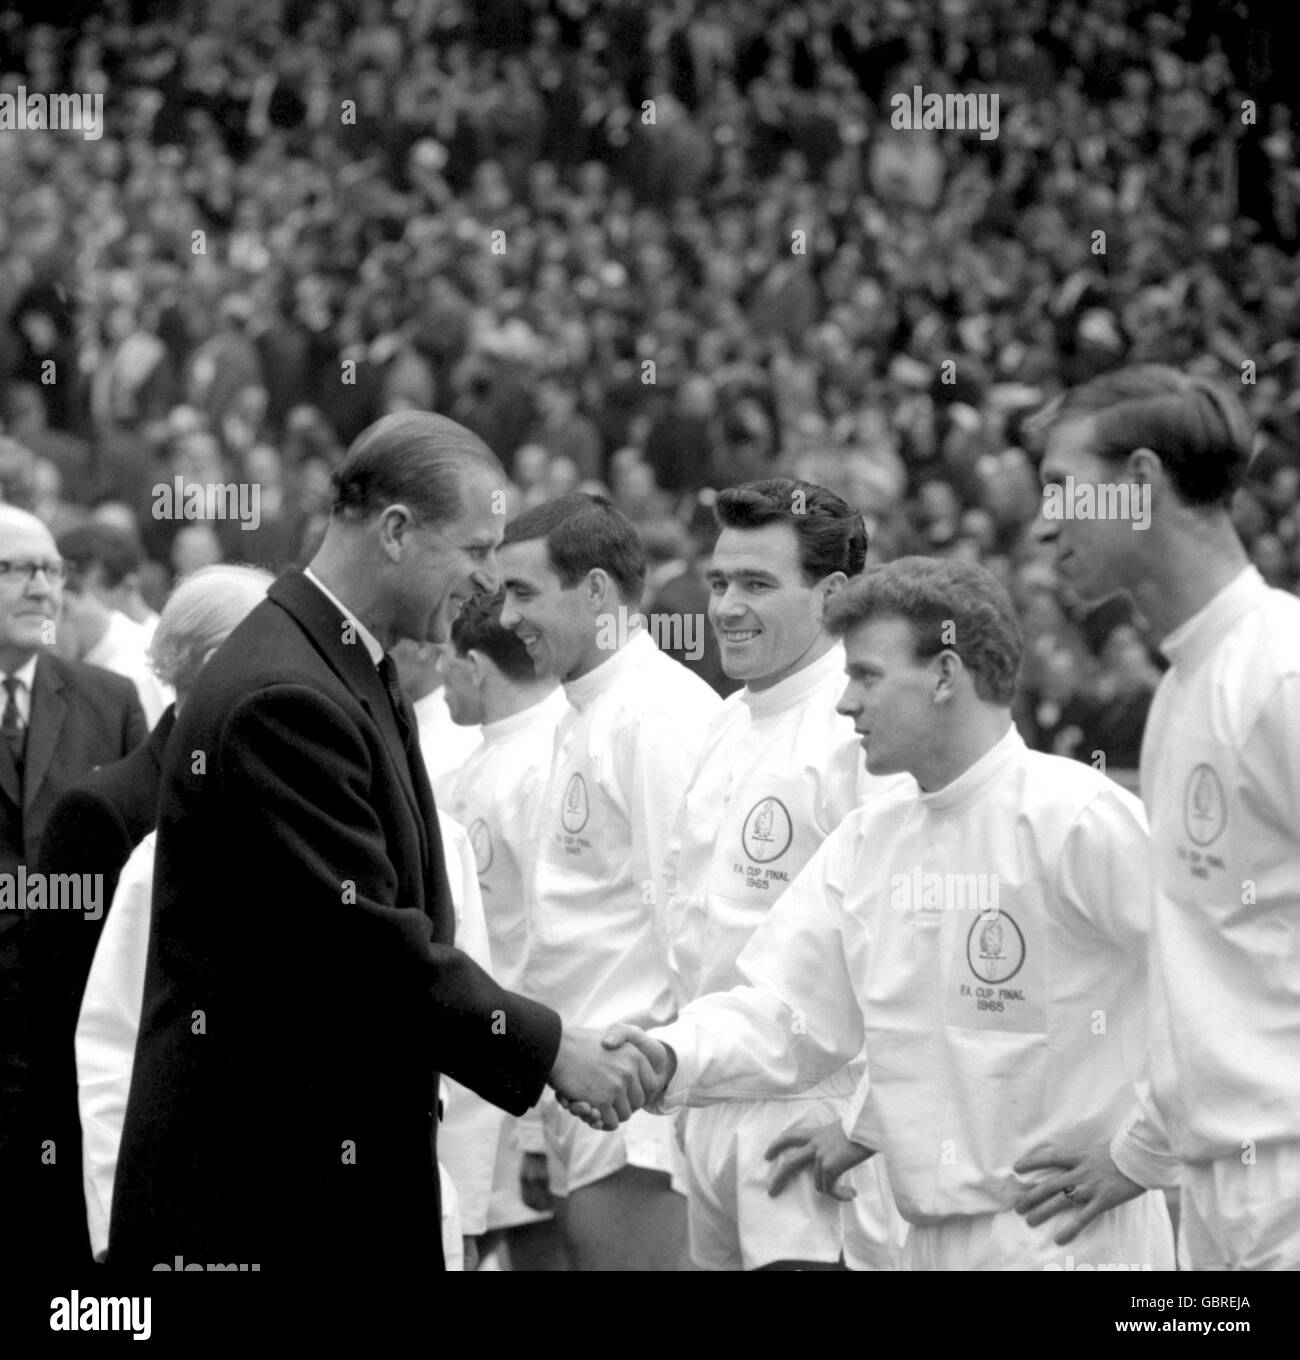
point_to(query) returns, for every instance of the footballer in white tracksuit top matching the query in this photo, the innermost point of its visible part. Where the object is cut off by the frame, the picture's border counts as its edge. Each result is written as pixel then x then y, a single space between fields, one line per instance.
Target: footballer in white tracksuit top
pixel 779 771
pixel 624 754
pixel 990 1033
pixel 1221 781
pixel 494 796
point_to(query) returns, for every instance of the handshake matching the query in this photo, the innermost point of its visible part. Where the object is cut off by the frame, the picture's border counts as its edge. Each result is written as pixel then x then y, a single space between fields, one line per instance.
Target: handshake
pixel 602 1079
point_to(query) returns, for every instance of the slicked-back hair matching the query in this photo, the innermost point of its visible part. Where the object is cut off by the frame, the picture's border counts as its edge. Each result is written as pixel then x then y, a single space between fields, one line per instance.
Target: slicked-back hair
pixel 929 593
pixel 1200 430
pixel 831 533
pixel 117 554
pixel 477 628
pixel 584 533
pixel 412 458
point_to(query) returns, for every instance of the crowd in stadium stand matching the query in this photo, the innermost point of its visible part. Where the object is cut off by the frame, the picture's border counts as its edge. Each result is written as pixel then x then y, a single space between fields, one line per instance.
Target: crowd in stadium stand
pixel 653 247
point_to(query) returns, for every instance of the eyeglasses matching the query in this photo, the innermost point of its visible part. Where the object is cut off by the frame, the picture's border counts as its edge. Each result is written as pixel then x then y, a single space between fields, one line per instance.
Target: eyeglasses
pixel 15 571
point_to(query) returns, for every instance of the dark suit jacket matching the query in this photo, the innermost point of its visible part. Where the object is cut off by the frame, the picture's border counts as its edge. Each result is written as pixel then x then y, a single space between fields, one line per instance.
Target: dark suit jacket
pixel 92 830
pixel 81 716
pixel 302 993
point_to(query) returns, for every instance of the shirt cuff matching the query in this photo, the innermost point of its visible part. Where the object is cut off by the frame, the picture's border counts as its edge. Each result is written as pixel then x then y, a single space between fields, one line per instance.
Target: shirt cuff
pixel 1137 1158
pixel 676 1095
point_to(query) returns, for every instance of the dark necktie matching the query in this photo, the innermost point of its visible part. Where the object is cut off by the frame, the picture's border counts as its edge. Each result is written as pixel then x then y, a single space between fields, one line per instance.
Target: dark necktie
pixel 11 724
pixel 401 709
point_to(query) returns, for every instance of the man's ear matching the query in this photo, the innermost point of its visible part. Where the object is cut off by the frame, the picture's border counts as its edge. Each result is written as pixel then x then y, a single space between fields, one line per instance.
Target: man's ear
pixel 1145 466
pixel 948 676
pixel 395 526
pixel 599 591
pixel 477 667
pixel 831 586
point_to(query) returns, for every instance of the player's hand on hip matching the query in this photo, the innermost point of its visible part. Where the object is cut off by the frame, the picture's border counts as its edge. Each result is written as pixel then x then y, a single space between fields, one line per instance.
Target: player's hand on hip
pixel 827 1153
pixel 1084 1184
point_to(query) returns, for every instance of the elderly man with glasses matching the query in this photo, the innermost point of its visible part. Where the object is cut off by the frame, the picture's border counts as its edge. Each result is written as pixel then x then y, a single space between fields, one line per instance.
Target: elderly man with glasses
pixel 58 720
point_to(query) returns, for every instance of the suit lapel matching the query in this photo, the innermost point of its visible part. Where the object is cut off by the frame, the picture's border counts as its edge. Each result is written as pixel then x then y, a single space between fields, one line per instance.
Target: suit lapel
pixel 381 710
pixel 352 663
pixel 49 708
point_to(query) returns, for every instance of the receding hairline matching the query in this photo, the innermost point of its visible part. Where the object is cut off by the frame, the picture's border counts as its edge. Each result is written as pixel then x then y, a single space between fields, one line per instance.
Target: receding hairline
pixel 399 447
pixel 18 518
pixel 445 436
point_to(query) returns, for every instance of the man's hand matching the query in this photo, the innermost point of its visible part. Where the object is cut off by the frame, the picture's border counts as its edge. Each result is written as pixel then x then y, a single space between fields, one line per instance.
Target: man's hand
pixel 828 1151
pixel 599 1086
pixel 660 1058
pixel 1088 1182
pixel 535 1183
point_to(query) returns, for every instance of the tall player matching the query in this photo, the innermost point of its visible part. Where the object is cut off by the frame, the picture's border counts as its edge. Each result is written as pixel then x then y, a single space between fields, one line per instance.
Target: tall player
pixel 982 923
pixel 573 571
pixel 1221 781
pixel 490 683
pixel 779 771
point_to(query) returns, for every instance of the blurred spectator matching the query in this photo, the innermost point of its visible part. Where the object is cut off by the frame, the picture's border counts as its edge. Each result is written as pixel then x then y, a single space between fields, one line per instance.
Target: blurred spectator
pixel 563 430
pixel 24 416
pixel 97 565
pixel 689 230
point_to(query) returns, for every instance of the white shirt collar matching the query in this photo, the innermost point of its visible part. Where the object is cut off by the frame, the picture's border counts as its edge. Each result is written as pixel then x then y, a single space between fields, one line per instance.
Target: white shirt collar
pixel 797 687
pixel 367 637
pixel 26 674
pixel 1009 748
pixel 1195 638
pixel 585 688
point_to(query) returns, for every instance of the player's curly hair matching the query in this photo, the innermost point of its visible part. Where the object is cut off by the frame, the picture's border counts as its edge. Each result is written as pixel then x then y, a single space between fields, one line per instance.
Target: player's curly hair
pixel 951 606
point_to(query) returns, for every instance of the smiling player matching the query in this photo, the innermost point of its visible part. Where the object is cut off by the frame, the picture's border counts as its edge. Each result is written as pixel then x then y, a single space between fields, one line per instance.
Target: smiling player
pixel 573 572
pixel 984 1045
pixel 779 771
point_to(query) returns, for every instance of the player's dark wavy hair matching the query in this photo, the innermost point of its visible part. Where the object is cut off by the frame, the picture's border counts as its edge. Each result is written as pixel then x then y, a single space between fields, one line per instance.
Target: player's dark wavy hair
pixel 411 458
pixel 1199 429
pixel 831 534
pixel 477 628
pixel 584 533
pixel 951 606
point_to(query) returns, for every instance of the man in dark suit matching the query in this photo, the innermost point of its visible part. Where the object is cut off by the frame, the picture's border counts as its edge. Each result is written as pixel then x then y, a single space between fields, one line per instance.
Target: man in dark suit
pixel 92 830
pixel 58 719
pixel 302 991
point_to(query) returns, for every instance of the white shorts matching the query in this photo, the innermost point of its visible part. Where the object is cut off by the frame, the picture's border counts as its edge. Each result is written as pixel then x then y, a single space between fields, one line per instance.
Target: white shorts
pixel 1242 1215
pixel 874 1230
pixel 734 1223
pixel 578 1155
pixel 1135 1236
pixel 506 1208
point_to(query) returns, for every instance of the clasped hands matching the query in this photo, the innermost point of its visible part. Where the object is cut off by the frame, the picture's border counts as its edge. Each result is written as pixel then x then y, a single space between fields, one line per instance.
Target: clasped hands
pixel 603 1078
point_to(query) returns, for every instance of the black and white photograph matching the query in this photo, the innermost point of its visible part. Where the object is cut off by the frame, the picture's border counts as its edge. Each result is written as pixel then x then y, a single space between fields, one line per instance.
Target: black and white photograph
pixel 648 636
